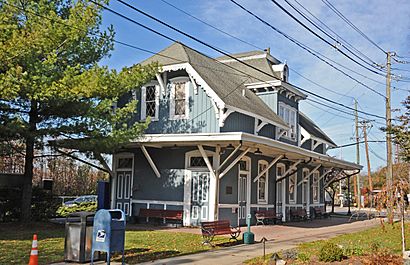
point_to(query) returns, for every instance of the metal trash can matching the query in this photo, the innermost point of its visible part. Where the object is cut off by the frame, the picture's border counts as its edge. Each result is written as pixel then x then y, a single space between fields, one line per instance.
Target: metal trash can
pixel 78 237
pixel 109 232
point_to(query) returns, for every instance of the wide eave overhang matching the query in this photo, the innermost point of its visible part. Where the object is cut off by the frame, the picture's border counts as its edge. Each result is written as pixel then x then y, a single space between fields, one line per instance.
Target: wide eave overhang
pixel 269 147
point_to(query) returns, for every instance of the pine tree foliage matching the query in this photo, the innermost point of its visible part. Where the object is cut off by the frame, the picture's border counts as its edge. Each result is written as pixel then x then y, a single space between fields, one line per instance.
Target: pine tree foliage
pixel 51 86
pixel 401 132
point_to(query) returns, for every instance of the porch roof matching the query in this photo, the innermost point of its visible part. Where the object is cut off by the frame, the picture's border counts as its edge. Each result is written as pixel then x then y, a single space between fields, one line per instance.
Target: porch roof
pixel 267 146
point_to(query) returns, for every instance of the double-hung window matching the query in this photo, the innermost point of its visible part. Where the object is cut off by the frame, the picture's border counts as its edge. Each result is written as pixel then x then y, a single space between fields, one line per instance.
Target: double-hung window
pixel 288 114
pixel 315 186
pixel 179 100
pixel 150 101
pixel 262 182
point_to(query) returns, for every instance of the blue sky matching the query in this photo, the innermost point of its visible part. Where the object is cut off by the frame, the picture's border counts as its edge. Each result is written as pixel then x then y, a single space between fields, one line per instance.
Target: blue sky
pixel 385 22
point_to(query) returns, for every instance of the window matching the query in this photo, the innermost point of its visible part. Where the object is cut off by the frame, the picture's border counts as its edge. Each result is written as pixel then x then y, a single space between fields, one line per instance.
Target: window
pixel 288 114
pixel 262 182
pixel 150 101
pixel 179 101
pixel 199 161
pixel 280 170
pixel 124 162
pixel 315 186
pixel 292 188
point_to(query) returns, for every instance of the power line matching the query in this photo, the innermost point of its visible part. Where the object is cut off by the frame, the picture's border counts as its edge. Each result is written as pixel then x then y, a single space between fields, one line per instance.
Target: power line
pixel 291 68
pixel 216 49
pixel 139 49
pixel 332 31
pixel 337 12
pixel 326 41
pixel 259 48
pixel 130 45
pixel 355 143
pixel 323 39
pixel 212 26
pixel 303 47
pixel 319 85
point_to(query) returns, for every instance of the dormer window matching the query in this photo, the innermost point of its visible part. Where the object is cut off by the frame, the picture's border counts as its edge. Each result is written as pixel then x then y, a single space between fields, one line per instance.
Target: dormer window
pixel 150 101
pixel 179 101
pixel 288 114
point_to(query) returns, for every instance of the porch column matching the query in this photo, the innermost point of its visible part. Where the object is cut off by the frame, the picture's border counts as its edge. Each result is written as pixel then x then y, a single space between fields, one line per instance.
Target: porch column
pixel 216 180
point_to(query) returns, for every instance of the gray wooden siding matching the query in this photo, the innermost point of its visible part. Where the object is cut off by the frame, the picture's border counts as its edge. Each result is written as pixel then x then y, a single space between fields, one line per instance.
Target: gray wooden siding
pixel 268 131
pixel 238 122
pixel 170 186
pixel 287 101
pixel 201 118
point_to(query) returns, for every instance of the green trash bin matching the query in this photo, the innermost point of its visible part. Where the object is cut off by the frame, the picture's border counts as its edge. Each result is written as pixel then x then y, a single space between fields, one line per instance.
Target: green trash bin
pixel 248 236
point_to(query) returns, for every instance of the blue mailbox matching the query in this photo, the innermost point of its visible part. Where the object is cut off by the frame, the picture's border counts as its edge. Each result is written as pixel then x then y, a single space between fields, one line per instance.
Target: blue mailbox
pixel 108 233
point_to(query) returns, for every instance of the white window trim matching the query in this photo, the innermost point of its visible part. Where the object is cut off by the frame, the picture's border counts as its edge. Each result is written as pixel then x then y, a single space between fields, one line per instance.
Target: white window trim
pixel 172 115
pixel 287 135
pixel 144 104
pixel 293 201
pixel 318 186
pixel 265 201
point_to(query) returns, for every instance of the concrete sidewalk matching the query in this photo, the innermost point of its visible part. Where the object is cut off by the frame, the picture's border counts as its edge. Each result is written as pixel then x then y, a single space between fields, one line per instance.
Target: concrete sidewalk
pixel 280 237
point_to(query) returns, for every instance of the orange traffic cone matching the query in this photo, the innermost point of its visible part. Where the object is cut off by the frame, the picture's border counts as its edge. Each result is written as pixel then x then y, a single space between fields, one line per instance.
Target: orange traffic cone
pixel 34 252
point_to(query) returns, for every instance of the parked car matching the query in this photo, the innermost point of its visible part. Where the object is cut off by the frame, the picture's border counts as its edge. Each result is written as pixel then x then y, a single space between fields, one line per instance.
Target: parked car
pixel 81 199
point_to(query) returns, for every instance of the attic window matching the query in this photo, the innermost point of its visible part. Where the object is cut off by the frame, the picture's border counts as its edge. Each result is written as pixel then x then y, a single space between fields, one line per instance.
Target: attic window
pixel 288 114
pixel 150 101
pixel 179 101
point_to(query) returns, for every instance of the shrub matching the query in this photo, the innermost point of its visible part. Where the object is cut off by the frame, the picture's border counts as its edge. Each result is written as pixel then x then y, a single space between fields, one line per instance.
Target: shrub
pixel 303 257
pixel 43 204
pixel 375 247
pixel 82 207
pixel 290 254
pixel 330 252
pixel 353 251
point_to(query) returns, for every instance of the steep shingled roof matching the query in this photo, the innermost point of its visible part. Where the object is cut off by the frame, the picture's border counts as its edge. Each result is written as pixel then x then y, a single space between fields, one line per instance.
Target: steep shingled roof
pixel 313 129
pixel 226 82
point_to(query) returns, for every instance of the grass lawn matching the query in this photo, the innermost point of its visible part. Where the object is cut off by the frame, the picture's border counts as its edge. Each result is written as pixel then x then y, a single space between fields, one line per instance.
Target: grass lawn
pixel 15 244
pixel 364 243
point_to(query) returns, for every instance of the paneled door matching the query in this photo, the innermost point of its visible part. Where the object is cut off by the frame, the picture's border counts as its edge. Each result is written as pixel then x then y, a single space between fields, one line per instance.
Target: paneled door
pixel 242 194
pixel 200 197
pixel 123 191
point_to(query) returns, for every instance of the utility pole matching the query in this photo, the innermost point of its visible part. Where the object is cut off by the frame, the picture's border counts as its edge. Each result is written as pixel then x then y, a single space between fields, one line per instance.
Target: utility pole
pixel 389 171
pixel 358 200
pixel 365 125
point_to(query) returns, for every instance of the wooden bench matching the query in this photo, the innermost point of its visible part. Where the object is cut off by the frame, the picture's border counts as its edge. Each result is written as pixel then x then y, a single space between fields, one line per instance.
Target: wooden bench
pixel 319 213
pixel 298 214
pixel 211 229
pixel 262 215
pixel 167 215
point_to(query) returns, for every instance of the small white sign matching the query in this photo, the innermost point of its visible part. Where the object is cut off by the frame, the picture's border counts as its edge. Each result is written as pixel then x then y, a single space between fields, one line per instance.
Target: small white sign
pixel 100 236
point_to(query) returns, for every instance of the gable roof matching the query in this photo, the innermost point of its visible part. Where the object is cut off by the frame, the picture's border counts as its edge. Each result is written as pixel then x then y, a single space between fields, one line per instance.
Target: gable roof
pixel 313 129
pixel 224 80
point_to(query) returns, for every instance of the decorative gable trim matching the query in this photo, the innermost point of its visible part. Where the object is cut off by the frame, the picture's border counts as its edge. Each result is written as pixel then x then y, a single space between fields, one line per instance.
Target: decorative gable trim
pixel 194 76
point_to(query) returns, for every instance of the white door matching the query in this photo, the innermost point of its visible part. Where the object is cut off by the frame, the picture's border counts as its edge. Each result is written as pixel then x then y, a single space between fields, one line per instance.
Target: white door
pixel 200 197
pixel 123 191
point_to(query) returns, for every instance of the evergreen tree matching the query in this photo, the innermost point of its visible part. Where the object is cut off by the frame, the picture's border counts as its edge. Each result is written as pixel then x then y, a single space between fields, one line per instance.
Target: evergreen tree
pixel 51 86
pixel 401 133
